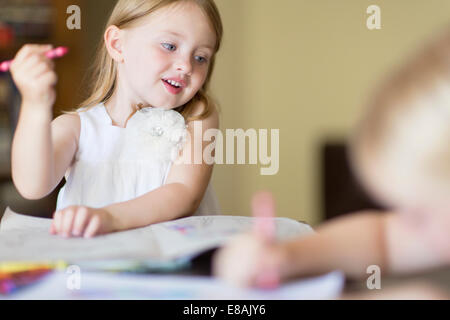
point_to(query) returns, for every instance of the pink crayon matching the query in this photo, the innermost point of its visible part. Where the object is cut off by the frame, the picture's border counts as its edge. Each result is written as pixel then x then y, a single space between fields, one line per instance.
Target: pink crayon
pixel 52 54
pixel 263 208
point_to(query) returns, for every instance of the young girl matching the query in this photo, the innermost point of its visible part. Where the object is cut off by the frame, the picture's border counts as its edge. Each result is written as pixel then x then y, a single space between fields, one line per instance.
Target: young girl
pixel 120 151
pixel 401 152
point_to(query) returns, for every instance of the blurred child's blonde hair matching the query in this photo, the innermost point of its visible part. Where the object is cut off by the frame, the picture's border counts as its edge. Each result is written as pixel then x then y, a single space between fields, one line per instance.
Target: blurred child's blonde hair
pixel 407 122
pixel 125 14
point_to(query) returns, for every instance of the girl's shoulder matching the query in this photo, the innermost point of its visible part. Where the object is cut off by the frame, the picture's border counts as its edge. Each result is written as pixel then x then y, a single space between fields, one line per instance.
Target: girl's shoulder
pixel 212 120
pixel 68 124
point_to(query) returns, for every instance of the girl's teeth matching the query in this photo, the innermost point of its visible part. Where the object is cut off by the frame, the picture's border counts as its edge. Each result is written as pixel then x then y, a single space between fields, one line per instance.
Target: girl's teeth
pixel 174 83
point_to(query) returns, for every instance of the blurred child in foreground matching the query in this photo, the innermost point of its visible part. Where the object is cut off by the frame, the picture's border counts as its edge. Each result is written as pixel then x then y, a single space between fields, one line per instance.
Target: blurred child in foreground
pixel 400 151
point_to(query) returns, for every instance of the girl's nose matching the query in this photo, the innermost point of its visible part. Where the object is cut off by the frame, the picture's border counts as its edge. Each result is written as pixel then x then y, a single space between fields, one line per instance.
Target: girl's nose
pixel 184 64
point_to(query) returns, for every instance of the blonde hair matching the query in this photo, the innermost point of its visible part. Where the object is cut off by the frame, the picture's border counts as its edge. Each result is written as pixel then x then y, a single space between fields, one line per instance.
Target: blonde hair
pixel 125 14
pixel 409 117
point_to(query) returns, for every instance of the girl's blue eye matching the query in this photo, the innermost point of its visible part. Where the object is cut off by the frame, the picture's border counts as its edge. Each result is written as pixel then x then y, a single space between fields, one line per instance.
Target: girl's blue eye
pixel 169 46
pixel 201 59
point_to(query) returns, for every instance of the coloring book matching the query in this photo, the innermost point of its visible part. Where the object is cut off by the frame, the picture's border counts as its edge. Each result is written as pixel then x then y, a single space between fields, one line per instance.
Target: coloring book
pixel 25 238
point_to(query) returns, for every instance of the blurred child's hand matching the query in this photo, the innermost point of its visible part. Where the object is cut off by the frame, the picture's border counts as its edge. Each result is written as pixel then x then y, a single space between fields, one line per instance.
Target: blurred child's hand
pixel 246 259
pixel 34 76
pixel 76 221
pixel 253 259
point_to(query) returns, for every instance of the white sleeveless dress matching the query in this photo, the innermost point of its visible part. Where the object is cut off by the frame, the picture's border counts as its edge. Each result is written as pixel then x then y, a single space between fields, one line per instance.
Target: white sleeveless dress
pixel 114 164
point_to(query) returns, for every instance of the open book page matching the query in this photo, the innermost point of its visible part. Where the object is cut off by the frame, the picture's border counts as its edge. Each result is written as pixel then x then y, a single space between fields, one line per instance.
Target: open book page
pixel 14 221
pixel 192 235
pixel 28 238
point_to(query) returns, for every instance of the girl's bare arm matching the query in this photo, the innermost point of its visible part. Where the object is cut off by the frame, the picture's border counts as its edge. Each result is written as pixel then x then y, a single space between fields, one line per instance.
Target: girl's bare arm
pixel 42 149
pixel 181 194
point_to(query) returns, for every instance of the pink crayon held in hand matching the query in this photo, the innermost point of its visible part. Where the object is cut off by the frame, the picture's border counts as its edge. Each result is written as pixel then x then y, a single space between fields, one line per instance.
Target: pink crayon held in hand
pixel 52 54
pixel 263 208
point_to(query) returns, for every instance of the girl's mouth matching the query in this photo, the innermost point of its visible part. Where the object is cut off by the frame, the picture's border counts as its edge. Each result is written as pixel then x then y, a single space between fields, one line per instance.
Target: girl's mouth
pixel 172 86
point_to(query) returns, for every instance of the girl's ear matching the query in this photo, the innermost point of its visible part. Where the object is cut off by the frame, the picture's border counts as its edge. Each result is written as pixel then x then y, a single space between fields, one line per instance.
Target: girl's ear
pixel 113 42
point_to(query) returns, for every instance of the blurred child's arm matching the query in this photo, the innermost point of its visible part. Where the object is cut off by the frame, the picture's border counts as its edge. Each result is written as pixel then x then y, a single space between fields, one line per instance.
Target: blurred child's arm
pixel 415 245
pixel 350 244
pixel 180 196
pixel 41 150
pixel 355 242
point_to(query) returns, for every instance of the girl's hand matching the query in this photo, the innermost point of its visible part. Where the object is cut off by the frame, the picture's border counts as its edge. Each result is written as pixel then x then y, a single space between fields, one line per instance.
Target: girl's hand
pixel 77 221
pixel 246 260
pixel 34 76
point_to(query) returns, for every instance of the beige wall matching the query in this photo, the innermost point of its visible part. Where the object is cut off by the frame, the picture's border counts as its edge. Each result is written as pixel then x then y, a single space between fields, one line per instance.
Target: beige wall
pixel 305 67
